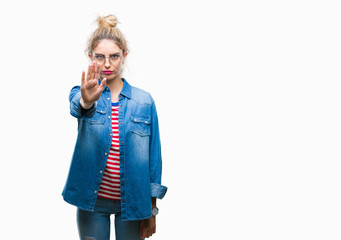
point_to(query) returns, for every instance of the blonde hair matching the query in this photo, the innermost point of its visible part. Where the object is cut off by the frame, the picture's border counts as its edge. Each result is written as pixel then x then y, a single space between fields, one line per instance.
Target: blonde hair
pixel 107 30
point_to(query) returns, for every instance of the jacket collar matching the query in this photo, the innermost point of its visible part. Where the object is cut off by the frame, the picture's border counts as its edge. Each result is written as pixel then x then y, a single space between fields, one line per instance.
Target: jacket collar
pixel 126 89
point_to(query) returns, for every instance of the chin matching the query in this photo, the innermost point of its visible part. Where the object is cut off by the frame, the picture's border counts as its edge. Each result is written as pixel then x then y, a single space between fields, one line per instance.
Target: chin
pixel 110 77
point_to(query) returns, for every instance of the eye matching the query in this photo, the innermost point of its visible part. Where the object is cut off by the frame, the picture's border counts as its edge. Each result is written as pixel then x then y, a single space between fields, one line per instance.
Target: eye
pixel 114 56
pixel 99 57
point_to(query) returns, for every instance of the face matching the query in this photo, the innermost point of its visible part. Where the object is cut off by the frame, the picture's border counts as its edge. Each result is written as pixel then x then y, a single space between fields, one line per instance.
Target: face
pixel 111 58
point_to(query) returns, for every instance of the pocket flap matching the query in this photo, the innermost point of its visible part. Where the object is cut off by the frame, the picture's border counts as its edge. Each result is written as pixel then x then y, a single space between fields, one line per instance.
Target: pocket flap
pixel 100 111
pixel 140 119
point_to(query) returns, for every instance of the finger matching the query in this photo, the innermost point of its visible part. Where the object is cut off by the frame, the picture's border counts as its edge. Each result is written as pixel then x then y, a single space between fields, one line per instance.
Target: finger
pixel 93 70
pixel 88 73
pixel 147 233
pixel 83 78
pixel 101 87
pixel 98 70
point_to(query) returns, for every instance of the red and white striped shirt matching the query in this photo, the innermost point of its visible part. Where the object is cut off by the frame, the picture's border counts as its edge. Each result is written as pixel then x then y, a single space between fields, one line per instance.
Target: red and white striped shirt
pixel 110 185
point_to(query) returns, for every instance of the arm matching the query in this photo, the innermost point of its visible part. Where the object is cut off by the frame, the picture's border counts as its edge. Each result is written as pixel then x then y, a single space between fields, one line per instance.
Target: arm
pixel 148 226
pixel 155 159
pixel 153 202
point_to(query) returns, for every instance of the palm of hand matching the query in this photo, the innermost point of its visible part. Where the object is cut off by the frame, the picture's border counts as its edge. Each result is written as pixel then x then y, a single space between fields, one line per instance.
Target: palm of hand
pixel 90 89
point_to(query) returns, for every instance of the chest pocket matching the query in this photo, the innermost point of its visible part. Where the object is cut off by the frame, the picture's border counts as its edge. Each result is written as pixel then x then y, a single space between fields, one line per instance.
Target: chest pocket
pixel 98 118
pixel 140 125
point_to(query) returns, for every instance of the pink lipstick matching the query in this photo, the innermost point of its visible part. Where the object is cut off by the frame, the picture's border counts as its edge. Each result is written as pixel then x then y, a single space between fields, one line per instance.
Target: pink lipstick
pixel 107 72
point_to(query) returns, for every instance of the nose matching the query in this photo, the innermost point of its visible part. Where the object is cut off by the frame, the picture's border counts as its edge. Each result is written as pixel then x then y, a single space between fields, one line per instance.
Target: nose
pixel 107 62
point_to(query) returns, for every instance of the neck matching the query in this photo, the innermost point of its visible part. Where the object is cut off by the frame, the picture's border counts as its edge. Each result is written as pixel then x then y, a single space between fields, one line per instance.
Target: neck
pixel 115 85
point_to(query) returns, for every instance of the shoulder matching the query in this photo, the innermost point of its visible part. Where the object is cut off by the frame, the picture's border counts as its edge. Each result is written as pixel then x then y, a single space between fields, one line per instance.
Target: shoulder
pixel 141 96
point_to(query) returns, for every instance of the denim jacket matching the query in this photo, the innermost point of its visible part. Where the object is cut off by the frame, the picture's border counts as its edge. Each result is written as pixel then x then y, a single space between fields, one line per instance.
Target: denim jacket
pixel 140 152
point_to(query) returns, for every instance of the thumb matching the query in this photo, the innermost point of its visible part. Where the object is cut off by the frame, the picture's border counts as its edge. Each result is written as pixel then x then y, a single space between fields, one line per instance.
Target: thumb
pixel 104 81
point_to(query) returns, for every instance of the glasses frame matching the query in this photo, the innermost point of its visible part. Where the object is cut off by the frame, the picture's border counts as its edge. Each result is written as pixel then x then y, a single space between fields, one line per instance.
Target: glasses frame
pixel 119 56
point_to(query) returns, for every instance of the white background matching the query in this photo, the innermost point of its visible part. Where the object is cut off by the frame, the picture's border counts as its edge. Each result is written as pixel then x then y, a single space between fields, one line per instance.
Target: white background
pixel 248 97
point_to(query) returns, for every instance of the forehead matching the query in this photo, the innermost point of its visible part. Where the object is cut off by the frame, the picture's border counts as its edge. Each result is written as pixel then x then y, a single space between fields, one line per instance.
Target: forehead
pixel 107 46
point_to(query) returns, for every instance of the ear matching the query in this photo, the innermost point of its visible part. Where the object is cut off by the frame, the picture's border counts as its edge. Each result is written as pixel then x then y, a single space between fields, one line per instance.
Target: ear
pixel 90 57
pixel 124 57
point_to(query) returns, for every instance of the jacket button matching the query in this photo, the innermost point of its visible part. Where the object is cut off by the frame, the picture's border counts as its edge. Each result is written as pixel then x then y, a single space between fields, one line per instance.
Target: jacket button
pixel 122 161
pixel 95 191
pixel 108 116
pixel 101 171
pixel 124 200
pixel 105 154
pixel 122 142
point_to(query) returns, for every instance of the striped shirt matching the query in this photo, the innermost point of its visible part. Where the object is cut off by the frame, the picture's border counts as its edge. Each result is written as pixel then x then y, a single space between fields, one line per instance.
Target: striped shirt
pixel 110 185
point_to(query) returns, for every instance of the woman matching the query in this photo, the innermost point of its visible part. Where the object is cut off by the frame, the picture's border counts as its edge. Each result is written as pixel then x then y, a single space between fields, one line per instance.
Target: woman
pixel 116 164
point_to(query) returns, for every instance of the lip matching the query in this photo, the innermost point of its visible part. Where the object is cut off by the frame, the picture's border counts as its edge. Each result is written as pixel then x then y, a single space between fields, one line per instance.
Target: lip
pixel 107 72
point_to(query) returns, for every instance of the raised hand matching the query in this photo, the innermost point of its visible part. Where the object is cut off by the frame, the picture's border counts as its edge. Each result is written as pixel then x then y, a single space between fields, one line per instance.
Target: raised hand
pixel 90 89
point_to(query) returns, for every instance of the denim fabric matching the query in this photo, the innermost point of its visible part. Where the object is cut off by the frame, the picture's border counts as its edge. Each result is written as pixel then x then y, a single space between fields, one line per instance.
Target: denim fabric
pixel 96 225
pixel 140 152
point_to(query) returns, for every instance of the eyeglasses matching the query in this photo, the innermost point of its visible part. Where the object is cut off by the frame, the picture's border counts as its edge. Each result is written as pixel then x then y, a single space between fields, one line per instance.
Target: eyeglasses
pixel 113 58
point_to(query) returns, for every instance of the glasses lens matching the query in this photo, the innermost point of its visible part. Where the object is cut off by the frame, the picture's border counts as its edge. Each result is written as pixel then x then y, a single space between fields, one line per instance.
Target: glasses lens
pixel 101 58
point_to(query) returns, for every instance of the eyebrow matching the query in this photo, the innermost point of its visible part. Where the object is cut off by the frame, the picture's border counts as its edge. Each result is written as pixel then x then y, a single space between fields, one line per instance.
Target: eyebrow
pixel 117 53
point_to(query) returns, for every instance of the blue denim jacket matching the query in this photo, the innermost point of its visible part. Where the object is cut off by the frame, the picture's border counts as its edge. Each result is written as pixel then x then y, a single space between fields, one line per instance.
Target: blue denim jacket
pixel 140 152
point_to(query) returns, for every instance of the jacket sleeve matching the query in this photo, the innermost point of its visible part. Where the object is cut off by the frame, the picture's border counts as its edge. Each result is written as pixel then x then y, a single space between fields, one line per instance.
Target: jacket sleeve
pixel 157 190
pixel 75 108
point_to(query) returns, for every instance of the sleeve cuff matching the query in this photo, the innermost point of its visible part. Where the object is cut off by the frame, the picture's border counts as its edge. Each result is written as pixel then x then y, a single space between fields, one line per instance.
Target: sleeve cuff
pixel 158 190
pixel 76 109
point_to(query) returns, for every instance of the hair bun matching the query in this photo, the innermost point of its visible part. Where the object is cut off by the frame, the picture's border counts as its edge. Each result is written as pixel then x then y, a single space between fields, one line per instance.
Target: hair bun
pixel 109 21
